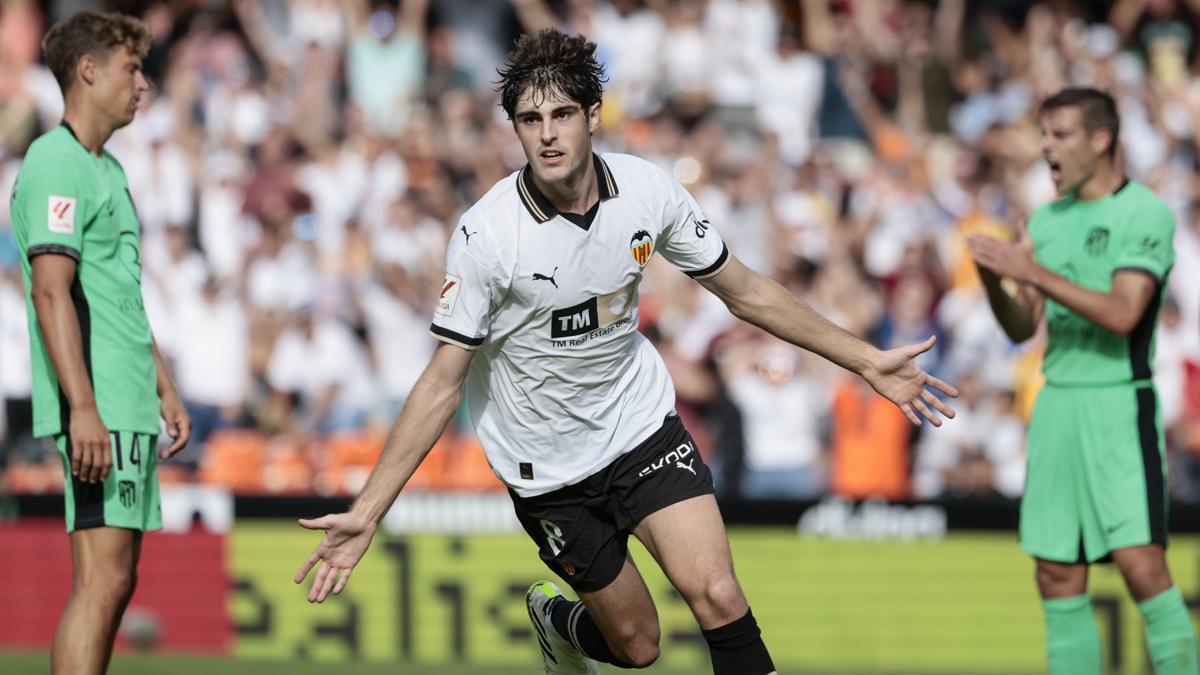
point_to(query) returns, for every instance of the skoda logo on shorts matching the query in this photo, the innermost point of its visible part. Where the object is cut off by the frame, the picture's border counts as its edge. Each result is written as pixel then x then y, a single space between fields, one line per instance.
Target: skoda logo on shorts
pixel 671 459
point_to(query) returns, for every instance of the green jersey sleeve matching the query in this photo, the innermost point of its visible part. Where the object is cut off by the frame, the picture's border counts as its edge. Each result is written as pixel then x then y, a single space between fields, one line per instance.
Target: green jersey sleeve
pixel 1149 247
pixel 52 194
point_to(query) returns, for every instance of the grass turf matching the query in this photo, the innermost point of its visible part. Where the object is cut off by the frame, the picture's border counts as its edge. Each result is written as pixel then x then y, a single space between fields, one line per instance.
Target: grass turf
pixel 35 663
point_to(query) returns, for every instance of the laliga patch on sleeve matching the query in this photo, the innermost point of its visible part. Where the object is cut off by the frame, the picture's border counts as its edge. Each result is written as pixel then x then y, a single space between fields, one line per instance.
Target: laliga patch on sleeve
pixel 61 215
pixel 445 304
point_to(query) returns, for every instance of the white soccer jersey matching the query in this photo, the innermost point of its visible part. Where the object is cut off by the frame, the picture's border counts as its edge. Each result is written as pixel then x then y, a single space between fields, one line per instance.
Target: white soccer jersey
pixel 564 383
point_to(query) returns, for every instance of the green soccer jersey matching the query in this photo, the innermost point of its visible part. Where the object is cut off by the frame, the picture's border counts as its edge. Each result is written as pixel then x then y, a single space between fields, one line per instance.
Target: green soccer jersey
pixel 1087 242
pixel 68 201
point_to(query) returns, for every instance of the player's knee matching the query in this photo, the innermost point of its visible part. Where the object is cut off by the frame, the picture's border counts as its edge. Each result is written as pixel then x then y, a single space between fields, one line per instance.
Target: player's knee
pixel 637 644
pixel 1055 580
pixel 724 600
pixel 107 582
pixel 1146 576
pixel 641 653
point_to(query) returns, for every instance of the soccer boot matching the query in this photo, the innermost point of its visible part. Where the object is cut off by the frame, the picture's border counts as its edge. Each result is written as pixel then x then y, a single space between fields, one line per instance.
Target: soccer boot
pixel 558 655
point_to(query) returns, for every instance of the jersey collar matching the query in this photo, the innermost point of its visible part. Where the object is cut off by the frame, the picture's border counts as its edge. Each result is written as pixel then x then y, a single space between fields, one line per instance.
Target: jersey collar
pixel 66 125
pixel 540 207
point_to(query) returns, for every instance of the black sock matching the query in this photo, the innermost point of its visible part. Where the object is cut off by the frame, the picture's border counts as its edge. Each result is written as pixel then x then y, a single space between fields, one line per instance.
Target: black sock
pixel 737 648
pixel 572 621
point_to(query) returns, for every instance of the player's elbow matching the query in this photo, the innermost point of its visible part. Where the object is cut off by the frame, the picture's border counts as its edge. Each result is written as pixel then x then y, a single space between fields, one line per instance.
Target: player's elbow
pixel 1122 326
pixel 739 308
pixel 748 303
pixel 1019 332
pixel 45 295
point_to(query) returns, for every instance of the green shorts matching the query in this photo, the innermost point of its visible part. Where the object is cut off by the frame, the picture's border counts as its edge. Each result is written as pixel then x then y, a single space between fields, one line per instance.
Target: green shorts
pixel 128 498
pixel 1097 473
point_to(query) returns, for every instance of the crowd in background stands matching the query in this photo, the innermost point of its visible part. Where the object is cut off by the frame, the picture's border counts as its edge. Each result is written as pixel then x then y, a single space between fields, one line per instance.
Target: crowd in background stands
pixel 300 165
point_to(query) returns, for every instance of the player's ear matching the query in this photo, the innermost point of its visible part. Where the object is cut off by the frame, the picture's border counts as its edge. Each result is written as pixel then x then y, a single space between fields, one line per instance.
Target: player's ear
pixel 1101 139
pixel 86 68
pixel 593 117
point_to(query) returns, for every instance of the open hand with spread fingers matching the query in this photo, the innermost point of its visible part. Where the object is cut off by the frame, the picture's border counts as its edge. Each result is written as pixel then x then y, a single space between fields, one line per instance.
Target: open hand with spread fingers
pixel 347 537
pixel 897 377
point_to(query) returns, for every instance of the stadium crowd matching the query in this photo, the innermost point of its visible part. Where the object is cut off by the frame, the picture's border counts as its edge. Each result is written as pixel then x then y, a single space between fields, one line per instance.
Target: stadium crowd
pixel 300 164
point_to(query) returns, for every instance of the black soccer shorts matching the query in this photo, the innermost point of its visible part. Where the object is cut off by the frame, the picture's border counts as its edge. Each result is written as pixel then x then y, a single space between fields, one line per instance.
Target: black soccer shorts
pixel 582 530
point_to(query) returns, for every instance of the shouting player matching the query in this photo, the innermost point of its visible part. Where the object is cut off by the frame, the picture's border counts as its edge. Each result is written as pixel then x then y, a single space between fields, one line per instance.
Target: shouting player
pixel 1095 265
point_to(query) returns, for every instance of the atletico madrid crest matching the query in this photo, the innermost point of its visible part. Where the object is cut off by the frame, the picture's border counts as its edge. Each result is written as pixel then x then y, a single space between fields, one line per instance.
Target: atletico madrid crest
pixel 642 247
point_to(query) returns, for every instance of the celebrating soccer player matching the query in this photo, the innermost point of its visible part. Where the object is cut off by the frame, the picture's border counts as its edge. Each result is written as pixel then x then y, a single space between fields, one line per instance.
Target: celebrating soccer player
pixel 1095 264
pixel 99 384
pixel 538 317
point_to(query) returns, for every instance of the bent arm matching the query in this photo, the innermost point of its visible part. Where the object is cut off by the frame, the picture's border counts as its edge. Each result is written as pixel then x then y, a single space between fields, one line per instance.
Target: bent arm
pixel 762 302
pixel 430 406
pixel 53 274
pixel 1018 315
pixel 1117 311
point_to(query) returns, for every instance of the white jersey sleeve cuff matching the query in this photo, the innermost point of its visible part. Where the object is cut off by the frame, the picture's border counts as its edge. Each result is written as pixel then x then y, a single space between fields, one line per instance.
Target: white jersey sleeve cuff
pixel 713 269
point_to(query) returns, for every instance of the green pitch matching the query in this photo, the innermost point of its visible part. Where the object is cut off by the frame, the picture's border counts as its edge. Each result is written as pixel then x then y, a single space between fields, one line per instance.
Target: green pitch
pixel 20 663
pixel 23 663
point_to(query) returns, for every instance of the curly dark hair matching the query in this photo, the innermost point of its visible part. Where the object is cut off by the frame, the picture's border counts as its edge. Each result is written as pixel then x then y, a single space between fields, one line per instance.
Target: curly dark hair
pixel 94 33
pixel 550 61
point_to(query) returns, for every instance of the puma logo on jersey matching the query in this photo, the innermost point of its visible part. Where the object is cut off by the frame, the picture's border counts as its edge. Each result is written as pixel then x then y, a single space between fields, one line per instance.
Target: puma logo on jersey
pixel 467 235
pixel 543 277
pixel 673 457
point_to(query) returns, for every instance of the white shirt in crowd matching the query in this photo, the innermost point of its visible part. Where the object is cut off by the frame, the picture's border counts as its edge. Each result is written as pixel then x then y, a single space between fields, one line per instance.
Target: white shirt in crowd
pixel 399 342
pixel 333 357
pixel 780 419
pixel 212 362
pixel 563 383
pixel 15 368
pixel 282 282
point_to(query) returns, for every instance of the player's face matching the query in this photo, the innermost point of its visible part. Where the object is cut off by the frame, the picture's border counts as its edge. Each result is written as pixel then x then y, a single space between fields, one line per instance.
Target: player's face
pixel 1069 149
pixel 119 85
pixel 556 135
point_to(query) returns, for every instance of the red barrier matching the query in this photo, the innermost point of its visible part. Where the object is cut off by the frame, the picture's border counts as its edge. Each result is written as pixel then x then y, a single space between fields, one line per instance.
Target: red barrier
pixel 181 602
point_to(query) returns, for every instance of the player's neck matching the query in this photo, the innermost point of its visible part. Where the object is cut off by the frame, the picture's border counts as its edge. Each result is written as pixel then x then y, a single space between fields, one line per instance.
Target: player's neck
pixel 575 194
pixel 90 130
pixel 1101 184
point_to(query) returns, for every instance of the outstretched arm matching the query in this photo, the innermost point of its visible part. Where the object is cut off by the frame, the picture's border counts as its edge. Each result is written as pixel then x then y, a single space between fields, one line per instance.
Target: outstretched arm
pixel 347 535
pixel 762 302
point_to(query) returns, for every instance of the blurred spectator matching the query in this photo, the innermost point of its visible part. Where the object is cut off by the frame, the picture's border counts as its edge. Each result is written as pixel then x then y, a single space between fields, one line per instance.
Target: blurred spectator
pixel 319 376
pixel 394 309
pixel 16 383
pixel 780 404
pixel 385 62
pixel 869 444
pixel 981 457
pixel 211 362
